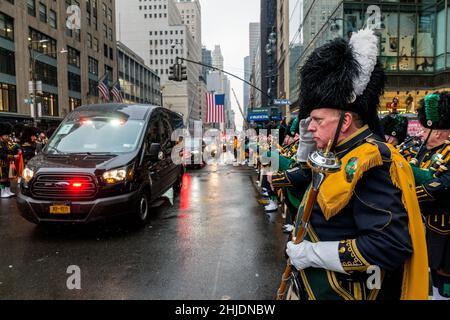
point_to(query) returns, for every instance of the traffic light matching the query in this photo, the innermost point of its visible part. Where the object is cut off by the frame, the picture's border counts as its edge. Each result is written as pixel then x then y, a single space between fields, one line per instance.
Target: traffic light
pixel 174 72
pixel 183 73
pixel 177 72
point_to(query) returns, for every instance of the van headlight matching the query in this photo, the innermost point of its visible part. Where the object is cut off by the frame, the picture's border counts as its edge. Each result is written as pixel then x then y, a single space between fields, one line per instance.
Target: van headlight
pixel 116 175
pixel 27 175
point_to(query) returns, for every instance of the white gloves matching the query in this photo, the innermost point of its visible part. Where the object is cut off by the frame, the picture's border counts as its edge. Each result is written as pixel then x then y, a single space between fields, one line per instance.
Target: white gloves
pixel 322 255
pixel 307 144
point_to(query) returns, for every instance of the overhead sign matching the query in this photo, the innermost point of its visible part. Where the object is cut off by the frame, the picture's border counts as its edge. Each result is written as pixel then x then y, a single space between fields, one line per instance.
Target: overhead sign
pixel 258 117
pixel 279 102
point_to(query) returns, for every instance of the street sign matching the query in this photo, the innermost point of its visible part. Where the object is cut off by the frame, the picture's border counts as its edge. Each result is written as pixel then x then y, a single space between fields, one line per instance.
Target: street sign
pixel 39 87
pixel 279 102
pixel 28 101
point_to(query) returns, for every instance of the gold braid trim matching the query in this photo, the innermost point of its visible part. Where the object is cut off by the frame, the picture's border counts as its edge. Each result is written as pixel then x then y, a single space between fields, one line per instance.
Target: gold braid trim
pixel 351 258
pixel 336 191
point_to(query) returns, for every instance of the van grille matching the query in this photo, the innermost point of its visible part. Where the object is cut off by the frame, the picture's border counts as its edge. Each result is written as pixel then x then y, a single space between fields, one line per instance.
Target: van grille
pixel 61 187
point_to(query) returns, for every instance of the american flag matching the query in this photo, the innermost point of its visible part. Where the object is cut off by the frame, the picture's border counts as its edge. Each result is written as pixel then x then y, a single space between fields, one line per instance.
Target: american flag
pixel 215 108
pixel 116 92
pixel 103 90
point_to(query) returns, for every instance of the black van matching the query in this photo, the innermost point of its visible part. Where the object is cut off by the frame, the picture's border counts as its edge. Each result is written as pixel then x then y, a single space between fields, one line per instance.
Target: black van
pixel 103 160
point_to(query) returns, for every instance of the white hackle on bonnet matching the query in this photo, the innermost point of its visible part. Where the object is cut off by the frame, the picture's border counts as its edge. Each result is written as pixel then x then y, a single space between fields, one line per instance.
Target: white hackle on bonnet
pixel 364 44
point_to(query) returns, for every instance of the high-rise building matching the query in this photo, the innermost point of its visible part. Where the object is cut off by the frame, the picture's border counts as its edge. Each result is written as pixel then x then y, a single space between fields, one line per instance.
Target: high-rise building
pixel 217 58
pixel 207 60
pixel 268 60
pixel 247 74
pixel 254 38
pixel 282 53
pixel 155 31
pixel 249 62
pixel 190 11
pixel 39 41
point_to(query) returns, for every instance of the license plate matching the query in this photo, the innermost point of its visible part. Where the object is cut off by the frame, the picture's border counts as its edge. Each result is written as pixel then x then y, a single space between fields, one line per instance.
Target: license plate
pixel 59 209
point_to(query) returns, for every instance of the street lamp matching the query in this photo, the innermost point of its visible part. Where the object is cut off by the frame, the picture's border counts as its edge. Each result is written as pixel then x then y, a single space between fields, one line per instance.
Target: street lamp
pixel 33 81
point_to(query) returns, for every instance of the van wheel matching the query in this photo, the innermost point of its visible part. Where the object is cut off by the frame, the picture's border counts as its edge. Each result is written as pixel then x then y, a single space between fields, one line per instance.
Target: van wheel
pixel 142 210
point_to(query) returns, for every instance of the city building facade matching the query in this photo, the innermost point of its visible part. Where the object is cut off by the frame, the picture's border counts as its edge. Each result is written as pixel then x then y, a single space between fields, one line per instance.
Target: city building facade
pixel 139 83
pixel 155 31
pixel 206 60
pixel 414 42
pixel 40 41
pixel 217 58
pixel 282 64
pixel 246 91
pixel 267 51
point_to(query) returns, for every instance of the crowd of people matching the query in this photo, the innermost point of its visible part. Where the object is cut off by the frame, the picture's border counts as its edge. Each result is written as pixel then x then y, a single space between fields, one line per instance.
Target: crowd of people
pixel 18 144
pixel 388 206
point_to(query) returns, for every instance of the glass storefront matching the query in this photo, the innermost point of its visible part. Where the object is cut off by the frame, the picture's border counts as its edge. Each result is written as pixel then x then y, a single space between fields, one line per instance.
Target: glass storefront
pixel 49 104
pixel 414 40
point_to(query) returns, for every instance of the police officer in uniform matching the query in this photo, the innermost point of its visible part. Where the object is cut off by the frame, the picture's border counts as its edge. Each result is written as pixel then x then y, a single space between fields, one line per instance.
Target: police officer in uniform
pixel 430 166
pixel 366 218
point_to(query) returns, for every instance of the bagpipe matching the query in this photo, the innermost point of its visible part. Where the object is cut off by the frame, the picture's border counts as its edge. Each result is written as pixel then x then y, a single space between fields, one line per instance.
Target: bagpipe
pixel 410 145
pixel 428 170
pixel 16 166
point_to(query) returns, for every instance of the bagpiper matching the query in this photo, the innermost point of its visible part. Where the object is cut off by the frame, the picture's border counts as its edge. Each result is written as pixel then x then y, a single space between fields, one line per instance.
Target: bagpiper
pixel 366 219
pixel 395 128
pixel 430 166
pixel 6 157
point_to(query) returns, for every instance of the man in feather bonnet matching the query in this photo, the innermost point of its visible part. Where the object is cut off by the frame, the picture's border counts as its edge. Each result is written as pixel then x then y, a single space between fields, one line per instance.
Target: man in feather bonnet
pixel 365 239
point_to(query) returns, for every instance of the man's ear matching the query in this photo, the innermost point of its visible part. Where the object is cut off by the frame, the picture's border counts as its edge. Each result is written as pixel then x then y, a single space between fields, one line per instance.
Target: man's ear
pixel 438 134
pixel 348 120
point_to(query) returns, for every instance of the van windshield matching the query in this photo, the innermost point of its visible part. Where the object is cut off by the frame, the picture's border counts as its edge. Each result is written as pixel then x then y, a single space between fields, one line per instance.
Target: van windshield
pixel 96 135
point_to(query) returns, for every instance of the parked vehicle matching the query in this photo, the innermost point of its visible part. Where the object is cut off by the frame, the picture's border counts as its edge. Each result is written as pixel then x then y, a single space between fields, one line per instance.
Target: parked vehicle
pixel 193 153
pixel 103 160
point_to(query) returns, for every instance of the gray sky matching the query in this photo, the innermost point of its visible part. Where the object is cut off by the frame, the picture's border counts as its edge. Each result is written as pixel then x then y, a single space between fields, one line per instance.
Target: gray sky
pixel 225 23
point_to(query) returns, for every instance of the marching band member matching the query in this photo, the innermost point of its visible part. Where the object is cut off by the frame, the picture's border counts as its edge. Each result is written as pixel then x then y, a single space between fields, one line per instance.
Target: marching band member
pixel 366 214
pixel 395 128
pixel 430 166
pixel 6 156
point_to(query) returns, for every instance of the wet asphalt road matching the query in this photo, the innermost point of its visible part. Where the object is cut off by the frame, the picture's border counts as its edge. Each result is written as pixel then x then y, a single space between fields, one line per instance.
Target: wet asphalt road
pixel 215 243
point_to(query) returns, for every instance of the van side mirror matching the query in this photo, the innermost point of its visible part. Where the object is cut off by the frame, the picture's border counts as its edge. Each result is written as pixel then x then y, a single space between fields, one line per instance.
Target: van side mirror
pixel 155 149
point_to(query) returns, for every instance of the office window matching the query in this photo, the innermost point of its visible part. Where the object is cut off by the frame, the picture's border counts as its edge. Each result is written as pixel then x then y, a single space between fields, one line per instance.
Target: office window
pixel 46 73
pixel 6 27
pixel 93 66
pixel 93 89
pixel 8 97
pixel 73 57
pixel 31 6
pixel 48 47
pixel 89 40
pixel 42 12
pixel 49 102
pixel 74 82
pixel 52 19
pixel 7 62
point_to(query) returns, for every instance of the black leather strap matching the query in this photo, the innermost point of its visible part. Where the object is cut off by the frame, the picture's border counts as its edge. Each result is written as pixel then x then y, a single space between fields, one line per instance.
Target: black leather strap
pixel 338 131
